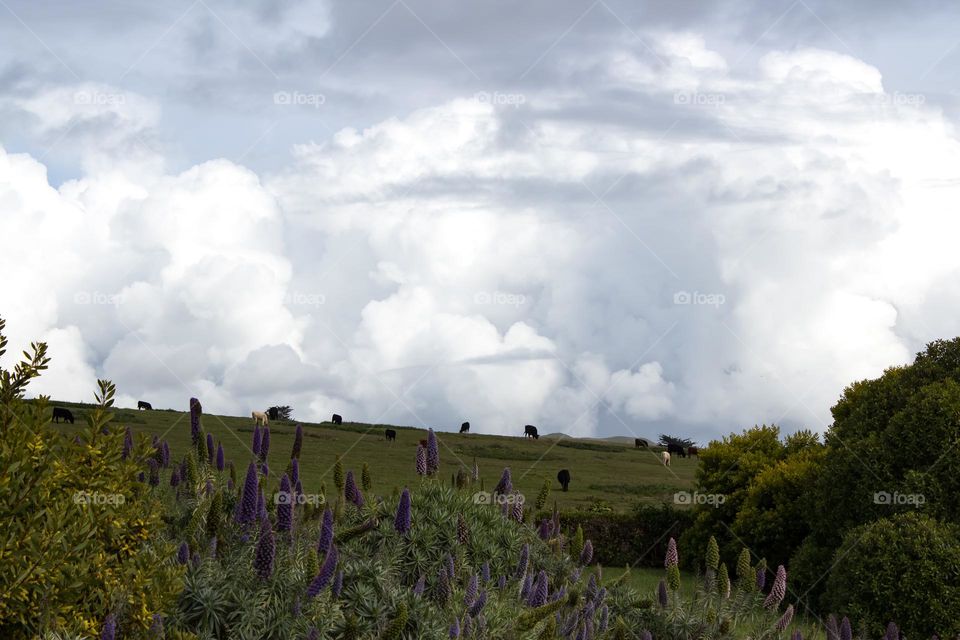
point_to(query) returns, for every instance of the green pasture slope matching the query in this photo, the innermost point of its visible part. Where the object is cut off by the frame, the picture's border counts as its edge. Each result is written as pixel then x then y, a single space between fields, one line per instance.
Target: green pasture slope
pixel 614 473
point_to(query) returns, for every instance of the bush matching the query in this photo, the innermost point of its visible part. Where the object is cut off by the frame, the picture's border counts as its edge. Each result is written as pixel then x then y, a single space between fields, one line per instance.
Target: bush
pixel 637 539
pixel 905 568
pixel 78 527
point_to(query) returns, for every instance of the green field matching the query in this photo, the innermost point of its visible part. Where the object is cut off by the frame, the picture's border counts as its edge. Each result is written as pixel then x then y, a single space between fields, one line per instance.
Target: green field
pixel 614 473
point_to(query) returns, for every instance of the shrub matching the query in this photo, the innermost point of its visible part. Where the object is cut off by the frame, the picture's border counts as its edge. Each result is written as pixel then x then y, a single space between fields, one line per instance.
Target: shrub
pixel 638 538
pixel 78 541
pixel 905 568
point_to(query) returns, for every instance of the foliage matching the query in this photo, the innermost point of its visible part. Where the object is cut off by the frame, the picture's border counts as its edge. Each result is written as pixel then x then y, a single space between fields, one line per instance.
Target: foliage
pixel 667 440
pixel 282 412
pixel 638 538
pixel 78 537
pixel 905 568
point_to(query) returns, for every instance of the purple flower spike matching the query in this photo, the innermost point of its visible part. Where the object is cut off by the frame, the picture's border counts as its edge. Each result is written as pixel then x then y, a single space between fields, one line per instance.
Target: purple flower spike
pixel 337 585
pixel 209 448
pixel 208 488
pixel 455 628
pixel 326 532
pixel 470 594
pixel 195 412
pixel 351 491
pixel 109 631
pixel 505 485
pixel 526 587
pixel 420 585
pixel 539 593
pixel 421 461
pixel 256 440
pixel 502 582
pixel 297 443
pixel 662 594
pixel 284 505
pixel 265 443
pixel 154 472
pixel 893 632
pixel 485 571
pixel 672 559
pixel 220 461
pixel 174 477
pixel 778 590
pixel 326 573
pixel 183 553
pixel 265 552
pixel 156 627
pixel 433 453
pixel 164 454
pixel 295 471
pixel 785 618
pixel 846 631
pixel 761 578
pixel 478 605
pixel 402 521
pixel 127 443
pixel 524 560
pixel 586 556
pixel 248 501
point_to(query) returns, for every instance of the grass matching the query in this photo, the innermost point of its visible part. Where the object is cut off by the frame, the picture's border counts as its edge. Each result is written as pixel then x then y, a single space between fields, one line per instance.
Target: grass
pixel 638 473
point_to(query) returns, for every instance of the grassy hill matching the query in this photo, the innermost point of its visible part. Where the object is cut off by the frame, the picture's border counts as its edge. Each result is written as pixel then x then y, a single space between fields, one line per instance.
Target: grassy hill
pixel 612 472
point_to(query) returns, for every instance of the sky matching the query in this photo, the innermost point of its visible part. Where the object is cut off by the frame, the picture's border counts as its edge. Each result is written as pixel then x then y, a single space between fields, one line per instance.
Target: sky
pixel 602 218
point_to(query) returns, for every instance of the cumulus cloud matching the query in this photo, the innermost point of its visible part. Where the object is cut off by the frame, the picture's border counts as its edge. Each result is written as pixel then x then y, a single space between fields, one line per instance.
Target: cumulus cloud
pixel 656 240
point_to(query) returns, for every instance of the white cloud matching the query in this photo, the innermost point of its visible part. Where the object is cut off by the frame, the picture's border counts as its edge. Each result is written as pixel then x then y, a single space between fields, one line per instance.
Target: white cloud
pixel 454 263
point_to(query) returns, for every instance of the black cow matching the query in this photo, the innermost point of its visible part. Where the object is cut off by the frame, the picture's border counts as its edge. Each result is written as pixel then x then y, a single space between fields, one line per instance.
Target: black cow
pixel 337 418
pixel 59 412
pixel 390 434
pixel 676 449
pixel 639 443
pixel 564 478
pixel 693 451
pixel 144 405
pixel 465 427
pixel 531 432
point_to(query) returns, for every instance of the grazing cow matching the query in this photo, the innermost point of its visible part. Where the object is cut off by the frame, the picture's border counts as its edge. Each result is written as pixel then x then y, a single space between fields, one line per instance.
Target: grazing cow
pixel 692 451
pixel 465 427
pixel 59 412
pixel 260 418
pixel 665 458
pixel 144 405
pixel 337 418
pixel 677 449
pixel 531 432
pixel 390 434
pixel 423 443
pixel 639 443
pixel 564 478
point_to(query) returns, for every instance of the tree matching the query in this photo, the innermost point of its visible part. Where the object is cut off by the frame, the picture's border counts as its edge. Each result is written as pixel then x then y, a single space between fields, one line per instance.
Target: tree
pixel 666 440
pixel 280 413
pixel 78 537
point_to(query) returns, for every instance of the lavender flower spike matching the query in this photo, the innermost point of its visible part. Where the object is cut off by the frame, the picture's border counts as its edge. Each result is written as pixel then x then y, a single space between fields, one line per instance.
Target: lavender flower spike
pixel 248 501
pixel 265 552
pixel 326 573
pixel 587 554
pixel 433 453
pixel 256 440
pixel 402 521
pixel 672 559
pixel 284 505
pixel 220 460
pixel 109 631
pixel 778 590
pixel 505 485
pixel 326 532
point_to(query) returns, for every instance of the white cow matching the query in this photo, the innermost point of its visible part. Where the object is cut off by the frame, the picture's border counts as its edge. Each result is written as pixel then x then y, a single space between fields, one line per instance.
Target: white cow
pixel 259 417
pixel 665 458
